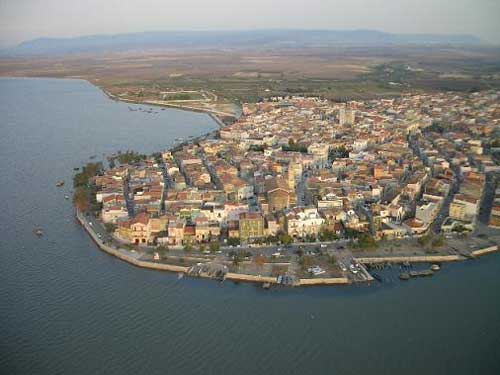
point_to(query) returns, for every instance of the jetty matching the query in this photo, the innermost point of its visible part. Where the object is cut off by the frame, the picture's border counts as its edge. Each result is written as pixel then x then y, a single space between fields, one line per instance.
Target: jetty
pixel 422 273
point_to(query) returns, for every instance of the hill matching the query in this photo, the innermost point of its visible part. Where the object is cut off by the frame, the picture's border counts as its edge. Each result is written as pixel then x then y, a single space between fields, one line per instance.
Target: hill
pixel 227 39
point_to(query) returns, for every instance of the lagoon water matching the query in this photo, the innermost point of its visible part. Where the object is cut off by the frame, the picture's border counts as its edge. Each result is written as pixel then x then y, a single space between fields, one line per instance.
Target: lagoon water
pixel 68 308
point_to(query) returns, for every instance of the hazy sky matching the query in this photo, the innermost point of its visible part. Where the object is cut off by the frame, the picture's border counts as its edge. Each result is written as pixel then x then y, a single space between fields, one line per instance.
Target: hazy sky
pixel 27 19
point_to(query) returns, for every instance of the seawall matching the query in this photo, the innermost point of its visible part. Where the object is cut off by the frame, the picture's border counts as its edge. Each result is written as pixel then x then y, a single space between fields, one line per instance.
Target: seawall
pixel 485 251
pixel 124 255
pixel 412 259
pixel 325 281
pixel 133 258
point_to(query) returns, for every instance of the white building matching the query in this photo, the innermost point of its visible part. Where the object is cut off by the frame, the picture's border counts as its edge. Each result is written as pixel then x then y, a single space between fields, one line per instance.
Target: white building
pixel 301 222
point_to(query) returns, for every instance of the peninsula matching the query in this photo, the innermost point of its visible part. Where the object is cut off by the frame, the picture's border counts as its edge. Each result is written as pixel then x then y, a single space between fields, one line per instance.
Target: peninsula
pixel 304 191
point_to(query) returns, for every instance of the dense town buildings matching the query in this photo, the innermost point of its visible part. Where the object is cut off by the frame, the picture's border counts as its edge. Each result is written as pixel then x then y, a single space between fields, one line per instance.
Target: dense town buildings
pixel 307 168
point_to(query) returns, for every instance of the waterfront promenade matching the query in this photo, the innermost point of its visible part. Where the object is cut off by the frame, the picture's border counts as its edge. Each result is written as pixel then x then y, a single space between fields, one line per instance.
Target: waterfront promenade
pixel 134 258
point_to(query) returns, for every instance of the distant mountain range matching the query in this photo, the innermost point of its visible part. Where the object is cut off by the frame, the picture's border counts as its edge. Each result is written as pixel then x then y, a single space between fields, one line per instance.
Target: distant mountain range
pixel 227 39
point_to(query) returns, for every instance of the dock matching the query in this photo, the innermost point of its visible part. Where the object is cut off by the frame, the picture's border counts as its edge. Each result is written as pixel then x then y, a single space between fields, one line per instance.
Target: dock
pixel 423 273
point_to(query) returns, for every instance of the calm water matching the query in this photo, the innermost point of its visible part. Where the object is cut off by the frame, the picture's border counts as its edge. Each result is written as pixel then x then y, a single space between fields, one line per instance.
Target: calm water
pixel 67 308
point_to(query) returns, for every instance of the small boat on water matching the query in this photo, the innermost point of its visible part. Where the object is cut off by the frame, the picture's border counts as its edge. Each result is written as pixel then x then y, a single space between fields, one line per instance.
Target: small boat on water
pixel 180 275
pixel 404 276
pixel 60 183
pixel 435 267
pixel 66 196
pixel 38 232
pixel 76 168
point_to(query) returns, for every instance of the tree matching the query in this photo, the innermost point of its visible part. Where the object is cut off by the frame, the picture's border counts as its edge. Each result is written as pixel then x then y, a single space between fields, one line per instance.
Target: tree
pixel 88 171
pixel 438 241
pixel 327 235
pixel 110 227
pixel 129 157
pixel 424 240
pixel 214 247
pixel 233 241
pixel 305 262
pixel 365 241
pixel 271 239
pixel 286 239
pixel 162 249
pixel 81 199
pixel 310 238
pixel 236 260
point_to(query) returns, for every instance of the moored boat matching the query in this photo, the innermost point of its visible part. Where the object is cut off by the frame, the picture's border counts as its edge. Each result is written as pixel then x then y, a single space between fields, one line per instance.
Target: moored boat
pixel 435 267
pixel 404 276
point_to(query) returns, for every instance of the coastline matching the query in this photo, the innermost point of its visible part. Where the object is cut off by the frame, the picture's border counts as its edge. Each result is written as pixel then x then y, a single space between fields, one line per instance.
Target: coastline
pixel 134 259
pixel 212 113
pixel 125 255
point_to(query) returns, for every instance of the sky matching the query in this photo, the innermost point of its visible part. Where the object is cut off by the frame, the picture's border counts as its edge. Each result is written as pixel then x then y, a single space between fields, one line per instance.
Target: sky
pixel 22 20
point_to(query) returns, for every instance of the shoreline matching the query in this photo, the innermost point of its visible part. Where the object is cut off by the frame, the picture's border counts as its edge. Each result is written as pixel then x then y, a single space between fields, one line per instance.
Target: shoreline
pixel 213 114
pixel 125 255
pixel 134 259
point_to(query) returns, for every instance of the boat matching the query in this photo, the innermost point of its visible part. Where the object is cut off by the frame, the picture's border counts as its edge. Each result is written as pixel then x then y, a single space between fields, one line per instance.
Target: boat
pixel 66 196
pixel 435 267
pixel 76 168
pixel 180 275
pixel 38 232
pixel 60 183
pixel 404 276
pixel 266 285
